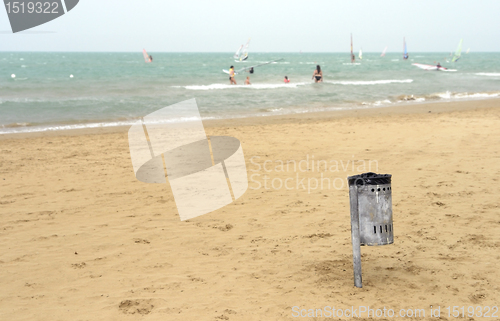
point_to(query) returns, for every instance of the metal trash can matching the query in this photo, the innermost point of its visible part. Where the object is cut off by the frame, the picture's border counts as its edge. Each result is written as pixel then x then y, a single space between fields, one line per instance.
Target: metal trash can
pixel 374 194
pixel 370 196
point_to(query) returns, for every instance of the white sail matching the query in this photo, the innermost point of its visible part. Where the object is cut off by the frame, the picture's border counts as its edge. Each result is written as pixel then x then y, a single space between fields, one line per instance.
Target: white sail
pixel 237 54
pixel 467 51
pixel 383 52
pixel 244 54
pixel 360 54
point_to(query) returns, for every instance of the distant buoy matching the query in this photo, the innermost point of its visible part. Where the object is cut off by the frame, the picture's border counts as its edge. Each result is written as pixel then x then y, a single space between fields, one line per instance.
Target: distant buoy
pixel 70 76
pixel 13 76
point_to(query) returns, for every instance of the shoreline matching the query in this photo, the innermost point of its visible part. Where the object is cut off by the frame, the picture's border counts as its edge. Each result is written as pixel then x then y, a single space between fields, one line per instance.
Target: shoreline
pixel 395 109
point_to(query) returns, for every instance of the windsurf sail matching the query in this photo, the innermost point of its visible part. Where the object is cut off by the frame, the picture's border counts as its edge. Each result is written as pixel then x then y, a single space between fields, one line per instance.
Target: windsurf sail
pixel 248 68
pixel 458 53
pixel 467 52
pixel 244 54
pixel 147 59
pixel 383 52
pixel 237 54
pixel 352 53
pixel 360 54
pixel 405 49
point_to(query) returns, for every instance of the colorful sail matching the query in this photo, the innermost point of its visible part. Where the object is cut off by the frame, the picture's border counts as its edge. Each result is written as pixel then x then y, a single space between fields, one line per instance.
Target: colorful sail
pixel 352 53
pixel 405 50
pixel 147 58
pixel 383 52
pixel 458 53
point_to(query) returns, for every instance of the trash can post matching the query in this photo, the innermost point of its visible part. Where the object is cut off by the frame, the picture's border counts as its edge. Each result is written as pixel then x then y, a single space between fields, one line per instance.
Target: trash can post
pixel 356 246
pixel 370 196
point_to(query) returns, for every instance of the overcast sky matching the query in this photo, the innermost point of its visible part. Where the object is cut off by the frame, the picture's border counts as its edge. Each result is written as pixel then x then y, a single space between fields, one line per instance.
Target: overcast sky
pixel 273 25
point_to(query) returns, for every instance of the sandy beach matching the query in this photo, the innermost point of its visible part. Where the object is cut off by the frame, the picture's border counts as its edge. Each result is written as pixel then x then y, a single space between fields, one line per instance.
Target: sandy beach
pixel 82 239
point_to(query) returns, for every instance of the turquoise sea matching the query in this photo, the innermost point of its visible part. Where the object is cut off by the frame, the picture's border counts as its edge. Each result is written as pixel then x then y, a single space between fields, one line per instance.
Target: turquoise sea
pixel 110 89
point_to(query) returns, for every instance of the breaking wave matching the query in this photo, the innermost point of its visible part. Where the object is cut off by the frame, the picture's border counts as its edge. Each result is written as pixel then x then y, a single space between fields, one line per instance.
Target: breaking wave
pixel 369 82
pixel 253 86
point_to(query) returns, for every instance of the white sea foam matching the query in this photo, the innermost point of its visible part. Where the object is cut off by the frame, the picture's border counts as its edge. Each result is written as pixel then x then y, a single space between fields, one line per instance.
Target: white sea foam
pixel 476 95
pixel 35 129
pixel 24 128
pixel 382 102
pixel 489 74
pixel 446 95
pixel 449 95
pixel 369 82
pixel 253 86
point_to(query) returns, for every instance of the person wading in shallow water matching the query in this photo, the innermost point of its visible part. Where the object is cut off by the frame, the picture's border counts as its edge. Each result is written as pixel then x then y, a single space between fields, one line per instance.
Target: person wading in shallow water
pixel 231 76
pixel 318 74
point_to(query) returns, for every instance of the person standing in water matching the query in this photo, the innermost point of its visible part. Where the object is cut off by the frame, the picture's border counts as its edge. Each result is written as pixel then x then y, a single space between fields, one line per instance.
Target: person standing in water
pixel 247 82
pixel 150 58
pixel 286 80
pixel 318 74
pixel 231 76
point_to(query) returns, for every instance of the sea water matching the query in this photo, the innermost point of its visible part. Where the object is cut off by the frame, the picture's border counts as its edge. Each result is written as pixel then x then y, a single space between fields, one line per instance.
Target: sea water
pixel 111 89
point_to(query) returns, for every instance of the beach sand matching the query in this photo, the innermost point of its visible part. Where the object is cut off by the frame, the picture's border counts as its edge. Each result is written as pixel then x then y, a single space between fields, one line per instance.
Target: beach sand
pixel 82 239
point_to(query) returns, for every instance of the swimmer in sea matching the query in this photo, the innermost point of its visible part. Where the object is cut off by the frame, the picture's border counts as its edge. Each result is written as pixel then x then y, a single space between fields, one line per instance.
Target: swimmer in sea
pixel 247 82
pixel 318 74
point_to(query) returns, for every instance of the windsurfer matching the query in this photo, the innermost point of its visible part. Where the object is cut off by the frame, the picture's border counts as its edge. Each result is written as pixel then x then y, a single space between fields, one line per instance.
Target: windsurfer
pixel 286 80
pixel 150 58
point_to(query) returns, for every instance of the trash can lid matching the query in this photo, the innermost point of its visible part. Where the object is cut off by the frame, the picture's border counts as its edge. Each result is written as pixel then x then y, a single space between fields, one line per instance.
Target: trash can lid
pixel 369 179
